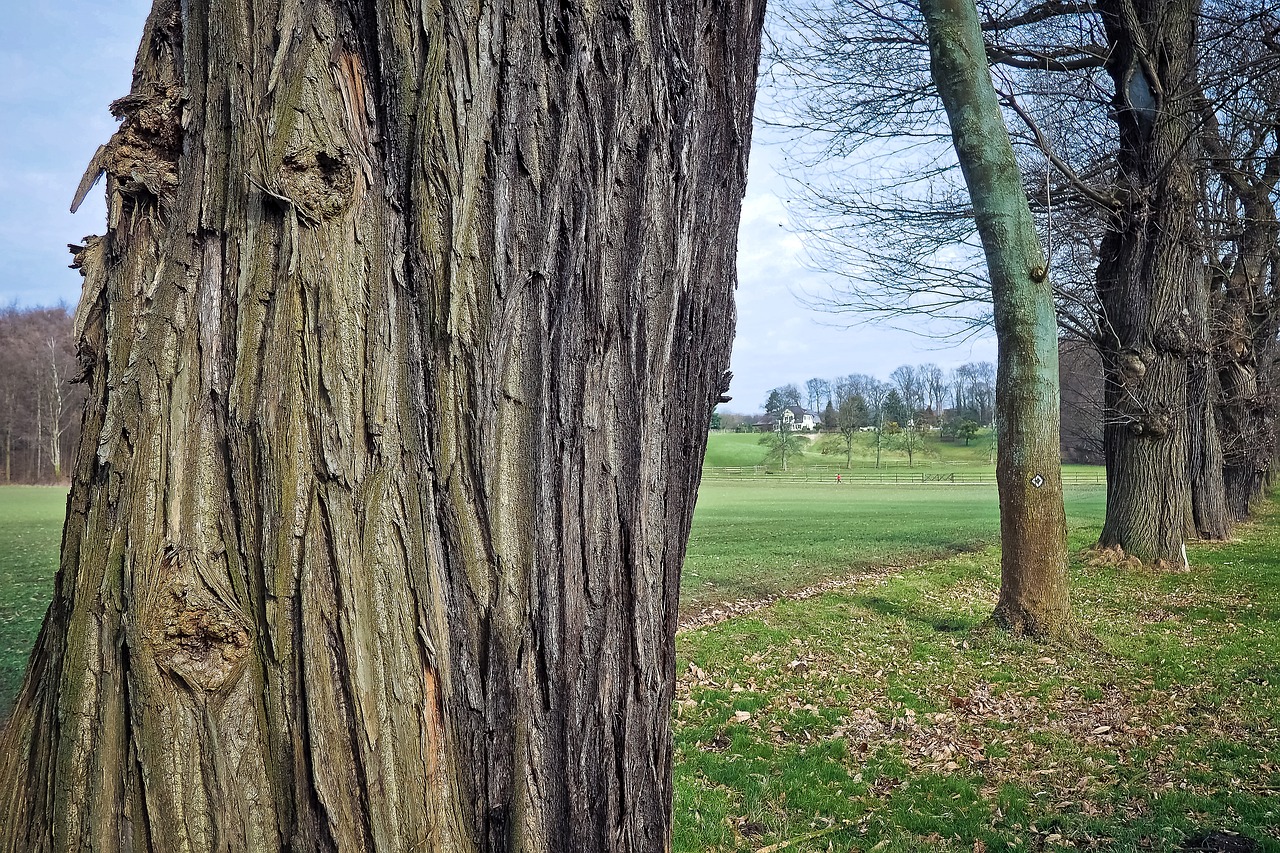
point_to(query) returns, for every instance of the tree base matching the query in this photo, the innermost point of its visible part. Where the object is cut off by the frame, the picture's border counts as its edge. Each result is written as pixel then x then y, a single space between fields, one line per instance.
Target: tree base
pixel 1114 556
pixel 1057 628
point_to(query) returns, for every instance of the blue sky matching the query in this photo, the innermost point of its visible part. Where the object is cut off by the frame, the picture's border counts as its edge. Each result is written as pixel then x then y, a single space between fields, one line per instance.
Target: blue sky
pixel 63 61
pixel 61 64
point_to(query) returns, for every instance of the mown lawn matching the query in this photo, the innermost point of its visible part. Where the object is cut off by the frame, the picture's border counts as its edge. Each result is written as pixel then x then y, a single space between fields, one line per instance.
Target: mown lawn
pixel 30 530
pixel 880 717
pixel 730 449
pixel 753 539
pixel 750 540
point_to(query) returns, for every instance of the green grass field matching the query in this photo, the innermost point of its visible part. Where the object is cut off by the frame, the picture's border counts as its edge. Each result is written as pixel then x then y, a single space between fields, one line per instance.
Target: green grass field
pixel 742 455
pixel 883 717
pixel 730 449
pixel 754 538
pixel 30 530
pixel 750 539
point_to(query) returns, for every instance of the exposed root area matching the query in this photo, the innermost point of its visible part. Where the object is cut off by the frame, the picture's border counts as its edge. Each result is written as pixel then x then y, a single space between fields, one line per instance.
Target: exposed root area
pixel 1062 631
pixel 1115 557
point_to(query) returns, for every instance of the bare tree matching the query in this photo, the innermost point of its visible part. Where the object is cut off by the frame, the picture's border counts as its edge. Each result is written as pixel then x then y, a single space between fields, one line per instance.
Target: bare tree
pixel 1065 74
pixel 39 407
pixel 910 387
pixel 1034 595
pixel 819 390
pixel 1240 133
pixel 783 439
pixel 934 383
pixel 781 397
pixel 875 393
pixel 1150 281
pixel 851 417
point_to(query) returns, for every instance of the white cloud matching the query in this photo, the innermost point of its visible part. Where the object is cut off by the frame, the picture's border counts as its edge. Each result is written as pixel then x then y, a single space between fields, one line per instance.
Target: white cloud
pixel 779 338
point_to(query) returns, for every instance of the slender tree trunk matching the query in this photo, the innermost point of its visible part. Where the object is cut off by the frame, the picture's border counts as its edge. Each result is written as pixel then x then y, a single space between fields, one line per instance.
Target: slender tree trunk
pixel 1204 448
pixel 1034 596
pixel 38 438
pixel 8 438
pixel 402 344
pixel 1149 268
pixel 57 402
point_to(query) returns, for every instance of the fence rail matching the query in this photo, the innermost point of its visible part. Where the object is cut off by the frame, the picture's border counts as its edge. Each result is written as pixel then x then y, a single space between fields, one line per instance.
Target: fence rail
pixel 883 476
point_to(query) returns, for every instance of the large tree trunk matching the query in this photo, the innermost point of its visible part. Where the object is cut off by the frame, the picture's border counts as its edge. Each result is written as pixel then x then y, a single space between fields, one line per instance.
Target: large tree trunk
pixel 1034 596
pixel 402 342
pixel 1248 319
pixel 1150 265
pixel 1246 311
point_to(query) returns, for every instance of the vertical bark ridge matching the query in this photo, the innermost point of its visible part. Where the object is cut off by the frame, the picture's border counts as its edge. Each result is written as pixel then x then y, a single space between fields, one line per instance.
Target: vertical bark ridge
pixel 402 342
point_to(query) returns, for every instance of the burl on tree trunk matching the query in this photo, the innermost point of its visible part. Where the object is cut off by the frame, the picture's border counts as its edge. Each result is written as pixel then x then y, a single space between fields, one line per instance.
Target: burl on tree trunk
pixel 401 344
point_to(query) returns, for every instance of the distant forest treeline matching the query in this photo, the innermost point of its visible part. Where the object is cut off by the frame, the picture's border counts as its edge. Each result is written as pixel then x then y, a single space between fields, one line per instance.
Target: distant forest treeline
pixel 927 394
pixel 40 407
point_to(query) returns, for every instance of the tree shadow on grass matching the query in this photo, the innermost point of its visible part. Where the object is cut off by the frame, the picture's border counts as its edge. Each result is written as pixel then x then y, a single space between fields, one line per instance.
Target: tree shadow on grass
pixel 940 622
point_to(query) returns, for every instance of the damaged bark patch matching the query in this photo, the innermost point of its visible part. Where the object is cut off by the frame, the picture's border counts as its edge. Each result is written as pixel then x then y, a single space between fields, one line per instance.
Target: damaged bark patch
pixel 143 155
pixel 195 637
pixel 321 184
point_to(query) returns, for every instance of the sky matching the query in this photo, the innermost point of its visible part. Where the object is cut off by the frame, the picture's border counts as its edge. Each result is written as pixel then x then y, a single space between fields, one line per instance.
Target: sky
pixel 63 61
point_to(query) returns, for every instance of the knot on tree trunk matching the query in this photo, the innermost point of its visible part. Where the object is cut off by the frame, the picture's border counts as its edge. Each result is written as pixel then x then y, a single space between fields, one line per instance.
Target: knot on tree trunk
pixel 1132 365
pixel 1177 336
pixel 1151 424
pixel 320 184
pixel 192 633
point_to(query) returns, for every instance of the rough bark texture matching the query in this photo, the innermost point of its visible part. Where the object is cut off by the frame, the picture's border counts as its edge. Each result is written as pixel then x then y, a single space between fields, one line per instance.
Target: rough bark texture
pixel 402 343
pixel 1204 442
pixel 1246 313
pixel 1034 596
pixel 1149 269
pixel 1248 319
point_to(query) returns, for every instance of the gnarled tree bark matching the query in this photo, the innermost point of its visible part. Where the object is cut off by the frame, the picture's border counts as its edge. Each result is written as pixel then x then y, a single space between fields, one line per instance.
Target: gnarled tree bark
pixel 1246 310
pixel 1148 272
pixel 402 343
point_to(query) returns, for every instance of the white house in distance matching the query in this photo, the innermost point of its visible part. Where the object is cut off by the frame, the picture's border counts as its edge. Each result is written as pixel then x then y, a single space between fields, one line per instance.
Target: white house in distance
pixel 796 418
